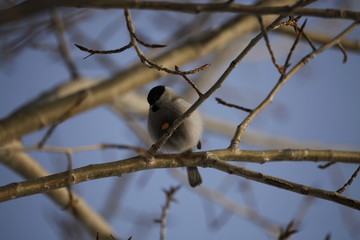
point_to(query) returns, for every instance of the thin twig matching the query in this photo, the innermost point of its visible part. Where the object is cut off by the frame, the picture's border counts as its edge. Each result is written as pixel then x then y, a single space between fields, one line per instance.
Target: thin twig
pixel 307 38
pixel 192 84
pixel 342 49
pixel 349 182
pixel 118 50
pixel 323 166
pixel 149 45
pixel 220 101
pixel 300 32
pixel 349 44
pixel 193 71
pixel 267 41
pixel 293 23
pixel 327 236
pixel 134 41
pixel 231 206
pixel 288 231
pixel 147 62
pixel 165 209
pixel 92 51
pixel 63 46
pixel 62 118
pixel 65 150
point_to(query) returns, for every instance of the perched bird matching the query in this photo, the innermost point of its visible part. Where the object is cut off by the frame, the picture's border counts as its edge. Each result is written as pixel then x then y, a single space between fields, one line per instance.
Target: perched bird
pixel 165 107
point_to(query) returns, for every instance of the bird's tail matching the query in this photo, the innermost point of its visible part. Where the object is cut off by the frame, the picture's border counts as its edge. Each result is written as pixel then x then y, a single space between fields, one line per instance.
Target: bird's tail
pixel 194 176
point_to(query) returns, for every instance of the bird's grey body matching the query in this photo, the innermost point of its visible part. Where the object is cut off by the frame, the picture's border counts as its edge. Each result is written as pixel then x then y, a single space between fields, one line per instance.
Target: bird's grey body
pixel 165 107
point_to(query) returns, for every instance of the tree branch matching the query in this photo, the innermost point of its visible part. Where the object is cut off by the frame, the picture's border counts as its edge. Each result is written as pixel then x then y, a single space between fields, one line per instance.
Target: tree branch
pixel 283 79
pixel 29 8
pixel 281 183
pixel 135 164
pixel 348 44
pixel 165 209
pixel 30 119
pixel 27 167
pixel 63 45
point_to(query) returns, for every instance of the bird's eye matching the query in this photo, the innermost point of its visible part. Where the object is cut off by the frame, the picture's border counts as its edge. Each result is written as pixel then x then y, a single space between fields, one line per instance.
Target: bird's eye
pixel 154 108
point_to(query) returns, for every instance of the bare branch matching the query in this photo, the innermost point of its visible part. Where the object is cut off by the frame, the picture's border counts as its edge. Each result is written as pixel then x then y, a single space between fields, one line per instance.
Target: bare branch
pixel 29 8
pixel 280 68
pixel 214 159
pixel 63 45
pixel 196 70
pixel 63 117
pixel 326 165
pixel 232 206
pixel 283 79
pixel 165 209
pixel 342 49
pixel 349 182
pixel 220 101
pixel 288 231
pixel 300 32
pixel 148 62
pixel 349 44
pixel 213 162
pixel 149 45
pixel 192 84
pixel 92 51
pixel 68 150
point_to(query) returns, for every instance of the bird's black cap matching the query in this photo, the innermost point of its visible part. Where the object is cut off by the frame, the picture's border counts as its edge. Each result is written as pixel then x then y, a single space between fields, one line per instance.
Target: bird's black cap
pixel 155 94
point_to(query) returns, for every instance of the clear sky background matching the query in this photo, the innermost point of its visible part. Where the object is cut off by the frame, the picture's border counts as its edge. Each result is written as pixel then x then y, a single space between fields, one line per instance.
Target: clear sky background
pixel 319 105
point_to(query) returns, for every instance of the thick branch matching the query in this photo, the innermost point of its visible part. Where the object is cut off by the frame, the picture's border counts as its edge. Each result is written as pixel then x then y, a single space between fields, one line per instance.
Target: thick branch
pixel 135 164
pixel 283 184
pixel 29 8
pixel 26 166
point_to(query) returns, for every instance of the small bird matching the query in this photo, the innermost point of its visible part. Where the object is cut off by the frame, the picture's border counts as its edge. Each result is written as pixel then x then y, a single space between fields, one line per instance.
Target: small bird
pixel 165 107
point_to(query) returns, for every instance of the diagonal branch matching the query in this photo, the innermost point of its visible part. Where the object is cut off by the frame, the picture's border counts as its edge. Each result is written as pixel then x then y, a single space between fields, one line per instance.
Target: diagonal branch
pixel 62 118
pixel 349 182
pixel 283 79
pixel 280 68
pixel 333 196
pixel 220 101
pixel 63 45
